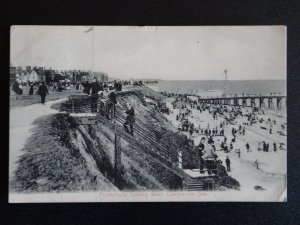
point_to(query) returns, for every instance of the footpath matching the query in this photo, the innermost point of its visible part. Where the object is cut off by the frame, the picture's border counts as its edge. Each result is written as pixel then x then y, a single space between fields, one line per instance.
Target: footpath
pixel 20 128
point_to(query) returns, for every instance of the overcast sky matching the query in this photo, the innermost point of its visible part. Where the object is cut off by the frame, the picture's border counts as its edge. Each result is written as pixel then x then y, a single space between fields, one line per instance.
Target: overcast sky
pixel 179 53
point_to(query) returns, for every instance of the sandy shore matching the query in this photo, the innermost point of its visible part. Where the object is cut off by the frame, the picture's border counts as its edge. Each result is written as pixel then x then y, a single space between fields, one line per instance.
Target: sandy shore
pixel 272 165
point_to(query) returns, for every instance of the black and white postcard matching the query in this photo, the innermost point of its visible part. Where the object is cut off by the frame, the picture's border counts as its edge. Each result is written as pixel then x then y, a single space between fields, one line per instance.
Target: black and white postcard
pixel 147 114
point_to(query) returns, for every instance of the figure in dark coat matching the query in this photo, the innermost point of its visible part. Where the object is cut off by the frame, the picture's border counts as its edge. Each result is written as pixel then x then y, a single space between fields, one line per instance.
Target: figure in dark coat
pixel 112 101
pixel 227 164
pixel 116 85
pixel 248 147
pixel 86 87
pixel 16 88
pixel 274 147
pixel 120 86
pixel 129 120
pixel 94 88
pixel 43 91
pixel 221 171
pixel 31 90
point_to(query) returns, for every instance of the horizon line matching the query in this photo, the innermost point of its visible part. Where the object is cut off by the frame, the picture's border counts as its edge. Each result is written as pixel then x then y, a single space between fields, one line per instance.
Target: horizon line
pixel 201 80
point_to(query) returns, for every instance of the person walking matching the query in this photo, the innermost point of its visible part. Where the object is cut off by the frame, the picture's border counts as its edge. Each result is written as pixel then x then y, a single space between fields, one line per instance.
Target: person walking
pixel 16 88
pixel 54 87
pixel 59 87
pixel 112 101
pixel 116 85
pixel 227 164
pixel 275 147
pixel 93 92
pixel 31 89
pixel 86 87
pixel 264 147
pixel 210 156
pixel 43 91
pixel 129 120
pixel 248 147
pixel 256 164
pixel 231 146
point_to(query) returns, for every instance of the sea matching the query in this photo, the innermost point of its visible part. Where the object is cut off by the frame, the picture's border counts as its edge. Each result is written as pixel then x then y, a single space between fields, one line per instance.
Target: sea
pixel 229 87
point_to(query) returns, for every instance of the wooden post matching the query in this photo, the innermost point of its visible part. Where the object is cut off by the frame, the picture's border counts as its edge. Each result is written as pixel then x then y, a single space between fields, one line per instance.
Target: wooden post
pixel 261 102
pixel 117 157
pixel 252 102
pixel 278 103
pixel 244 102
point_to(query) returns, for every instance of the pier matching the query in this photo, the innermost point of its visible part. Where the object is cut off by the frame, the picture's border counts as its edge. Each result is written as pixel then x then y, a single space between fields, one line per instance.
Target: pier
pixel 262 101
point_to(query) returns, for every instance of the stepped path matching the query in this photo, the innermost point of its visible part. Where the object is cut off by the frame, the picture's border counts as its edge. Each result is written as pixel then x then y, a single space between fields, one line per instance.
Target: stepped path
pixel 20 128
pixel 145 147
pixel 195 185
pixel 165 153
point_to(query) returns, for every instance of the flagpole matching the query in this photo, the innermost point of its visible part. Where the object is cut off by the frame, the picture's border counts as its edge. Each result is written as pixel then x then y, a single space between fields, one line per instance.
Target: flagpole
pixel 226 78
pixel 93 52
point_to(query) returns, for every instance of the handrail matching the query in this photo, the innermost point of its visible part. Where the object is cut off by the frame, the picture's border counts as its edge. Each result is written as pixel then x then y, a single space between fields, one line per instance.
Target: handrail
pixel 168 150
pixel 174 153
pixel 144 135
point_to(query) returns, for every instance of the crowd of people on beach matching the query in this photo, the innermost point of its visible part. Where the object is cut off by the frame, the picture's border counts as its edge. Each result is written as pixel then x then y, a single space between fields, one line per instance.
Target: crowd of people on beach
pixel 222 116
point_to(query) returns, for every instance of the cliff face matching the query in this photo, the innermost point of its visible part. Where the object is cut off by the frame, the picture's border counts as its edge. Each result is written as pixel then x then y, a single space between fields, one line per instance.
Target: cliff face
pixel 138 171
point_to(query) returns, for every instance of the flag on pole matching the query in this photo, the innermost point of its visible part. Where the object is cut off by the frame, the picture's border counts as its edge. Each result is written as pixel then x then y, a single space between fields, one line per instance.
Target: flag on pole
pixel 90 29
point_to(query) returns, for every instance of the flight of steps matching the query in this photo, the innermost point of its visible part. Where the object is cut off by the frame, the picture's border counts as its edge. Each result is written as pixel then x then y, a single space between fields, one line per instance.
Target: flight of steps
pixel 194 185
